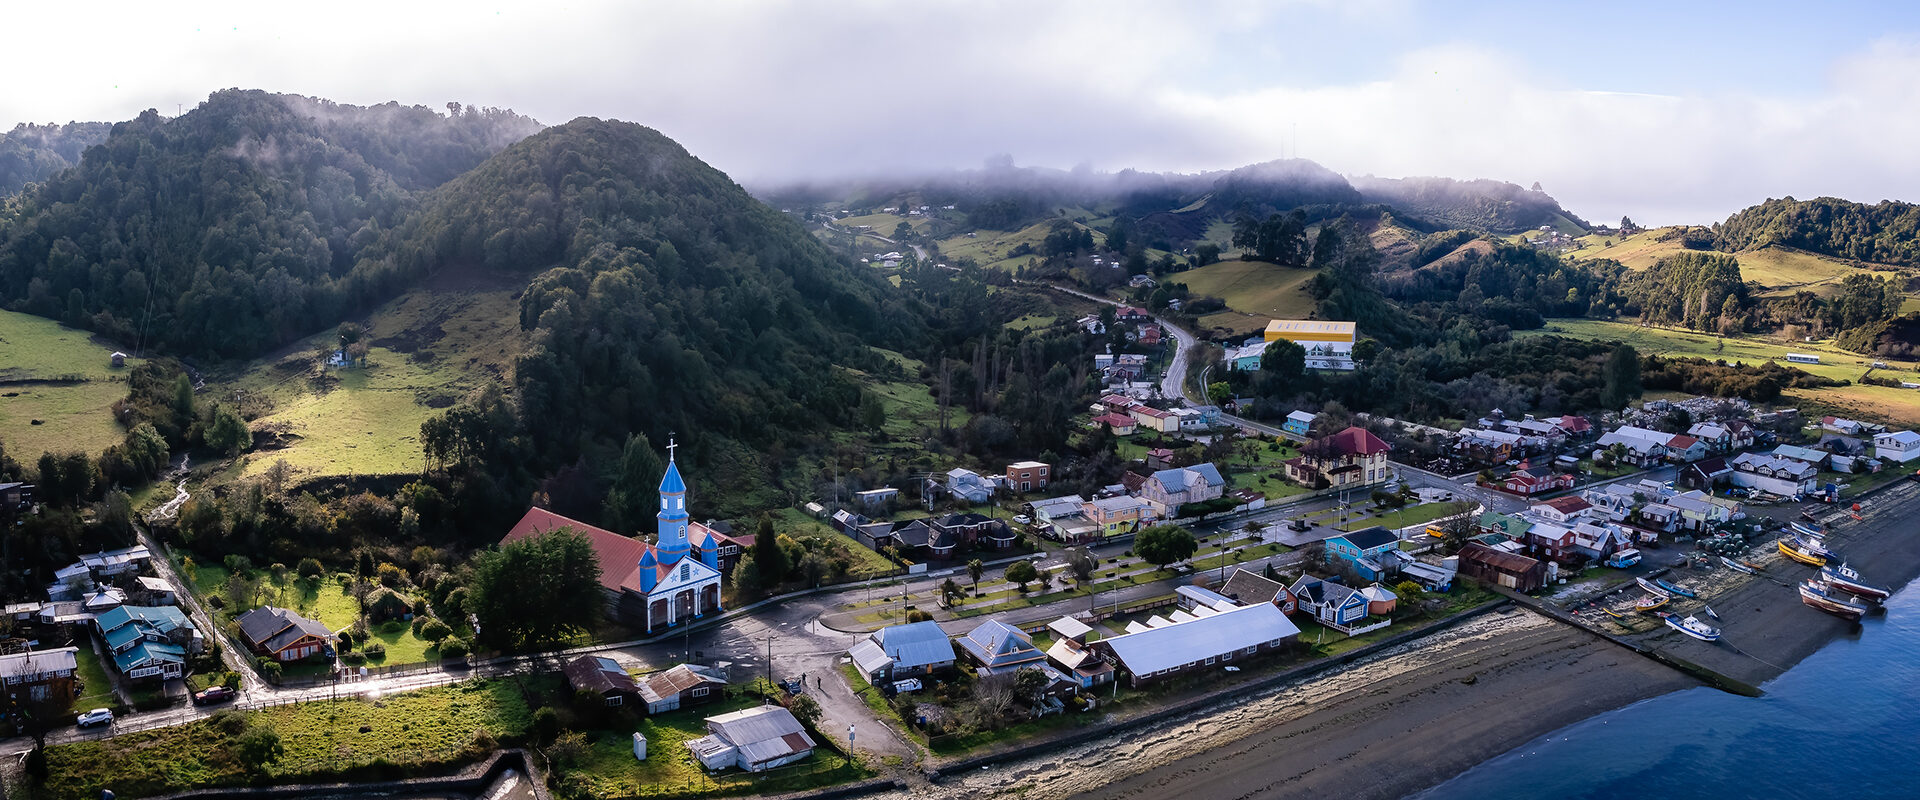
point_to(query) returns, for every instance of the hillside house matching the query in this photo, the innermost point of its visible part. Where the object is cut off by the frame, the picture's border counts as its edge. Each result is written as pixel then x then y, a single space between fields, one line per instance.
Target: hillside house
pixel 1173 488
pixel 754 739
pixel 149 641
pixel 1329 343
pixel 1205 642
pixel 898 652
pixel 282 634
pixel 1511 570
pixel 1027 476
pixel 965 484
pixel 1574 427
pixel 1844 426
pixel 1352 457
pixel 1156 419
pixel 1896 446
pixel 1366 550
pixel 1536 480
pixel 1118 424
pixel 1074 656
pixel 1246 357
pixel 1298 423
pixel 40 675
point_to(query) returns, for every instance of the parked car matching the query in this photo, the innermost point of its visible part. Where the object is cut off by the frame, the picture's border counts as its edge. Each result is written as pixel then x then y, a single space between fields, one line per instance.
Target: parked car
pixel 98 716
pixel 1022 519
pixel 213 694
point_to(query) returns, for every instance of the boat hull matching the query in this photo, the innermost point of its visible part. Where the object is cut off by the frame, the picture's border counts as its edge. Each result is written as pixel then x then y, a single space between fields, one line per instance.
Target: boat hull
pixel 1653 589
pixel 1650 603
pixel 1839 608
pixel 1805 558
pixel 1855 587
pixel 1736 566
pixel 1709 634
pixel 1672 589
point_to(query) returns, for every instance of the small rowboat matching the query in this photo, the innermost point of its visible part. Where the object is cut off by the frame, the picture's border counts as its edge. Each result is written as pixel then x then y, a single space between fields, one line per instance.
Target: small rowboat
pixel 1847 579
pixel 1710 611
pixel 1819 594
pixel 1692 626
pixel 1803 529
pixel 1653 589
pixel 1676 589
pixel 1614 614
pixel 1650 602
pixel 1795 552
pixel 1736 566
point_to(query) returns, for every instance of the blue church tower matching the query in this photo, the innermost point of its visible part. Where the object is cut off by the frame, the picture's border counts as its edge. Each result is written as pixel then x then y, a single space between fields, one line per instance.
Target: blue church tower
pixel 672 540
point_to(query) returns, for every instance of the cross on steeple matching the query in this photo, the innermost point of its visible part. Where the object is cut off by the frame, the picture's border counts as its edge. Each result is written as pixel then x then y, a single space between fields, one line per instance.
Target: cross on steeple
pixel 670 446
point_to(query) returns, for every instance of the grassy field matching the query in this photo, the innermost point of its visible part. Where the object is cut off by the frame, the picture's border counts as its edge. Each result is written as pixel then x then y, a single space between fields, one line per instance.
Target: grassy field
pixel 412 733
pixel 884 224
pixel 1898 406
pixel 1780 268
pixel 609 770
pixel 96 689
pixel 329 604
pixel 992 249
pixel 1255 292
pixel 795 523
pixel 73 414
pixel 429 349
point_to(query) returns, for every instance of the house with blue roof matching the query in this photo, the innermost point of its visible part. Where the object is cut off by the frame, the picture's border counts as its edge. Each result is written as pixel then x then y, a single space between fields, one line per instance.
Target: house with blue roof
pixel 898 652
pixel 1001 649
pixel 148 641
pixel 1366 550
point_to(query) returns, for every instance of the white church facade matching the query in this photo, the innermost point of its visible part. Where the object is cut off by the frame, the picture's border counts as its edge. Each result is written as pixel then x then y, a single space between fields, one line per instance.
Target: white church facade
pixel 652 587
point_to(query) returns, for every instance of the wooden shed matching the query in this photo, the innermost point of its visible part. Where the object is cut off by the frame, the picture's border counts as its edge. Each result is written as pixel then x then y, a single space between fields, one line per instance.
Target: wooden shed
pixel 1500 568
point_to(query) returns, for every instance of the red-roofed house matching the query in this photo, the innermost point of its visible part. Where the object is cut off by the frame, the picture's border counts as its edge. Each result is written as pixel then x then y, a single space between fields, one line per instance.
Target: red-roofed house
pixel 1575 427
pixel 1120 424
pixel 1162 421
pixel 649 586
pixel 1686 449
pixel 1353 457
pixel 1568 509
pixel 1534 480
pixel 1131 314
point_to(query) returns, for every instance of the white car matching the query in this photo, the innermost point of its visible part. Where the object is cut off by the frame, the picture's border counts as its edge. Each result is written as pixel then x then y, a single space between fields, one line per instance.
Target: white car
pixel 98 716
pixel 1022 519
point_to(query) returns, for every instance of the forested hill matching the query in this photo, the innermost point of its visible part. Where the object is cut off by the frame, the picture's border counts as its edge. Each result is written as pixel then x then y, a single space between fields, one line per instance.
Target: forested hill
pixel 1484 205
pixel 663 297
pixel 229 230
pixel 31 153
pixel 1887 232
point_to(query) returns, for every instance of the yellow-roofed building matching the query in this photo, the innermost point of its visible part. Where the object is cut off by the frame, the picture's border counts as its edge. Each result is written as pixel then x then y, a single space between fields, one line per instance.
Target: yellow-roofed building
pixel 1329 343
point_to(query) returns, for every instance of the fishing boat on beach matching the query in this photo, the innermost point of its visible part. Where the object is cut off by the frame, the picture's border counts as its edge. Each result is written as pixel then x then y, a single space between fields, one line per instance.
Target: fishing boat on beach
pixel 1710 612
pixel 1692 626
pixel 1816 546
pixel 1650 602
pixel 1653 589
pixel 1820 595
pixel 1847 579
pixel 1675 588
pixel 1814 531
pixel 1737 566
pixel 1795 550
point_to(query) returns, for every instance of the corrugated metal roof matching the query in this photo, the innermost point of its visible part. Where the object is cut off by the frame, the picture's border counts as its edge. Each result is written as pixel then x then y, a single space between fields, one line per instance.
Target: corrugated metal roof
pixel 916 644
pixel 1150 651
pixel 868 656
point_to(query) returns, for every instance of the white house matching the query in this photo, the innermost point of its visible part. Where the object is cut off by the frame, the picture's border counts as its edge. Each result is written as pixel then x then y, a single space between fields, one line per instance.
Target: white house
pixel 1771 473
pixel 1900 446
pixel 753 739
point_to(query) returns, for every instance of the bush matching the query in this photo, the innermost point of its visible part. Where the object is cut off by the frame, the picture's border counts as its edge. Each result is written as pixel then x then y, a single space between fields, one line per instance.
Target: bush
pixel 385 604
pixel 353 659
pixel 309 568
pixel 269 668
pixel 546 725
pixel 346 640
pixel 393 626
pixel 435 630
pixel 453 648
pixel 391 576
pixel 376 650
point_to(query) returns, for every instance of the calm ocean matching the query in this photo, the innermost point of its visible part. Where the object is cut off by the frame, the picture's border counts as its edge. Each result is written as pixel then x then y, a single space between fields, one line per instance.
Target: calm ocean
pixel 1843 723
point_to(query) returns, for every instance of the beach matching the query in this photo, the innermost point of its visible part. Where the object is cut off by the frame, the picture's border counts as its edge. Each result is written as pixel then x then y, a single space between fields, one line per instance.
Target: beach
pixel 1417 714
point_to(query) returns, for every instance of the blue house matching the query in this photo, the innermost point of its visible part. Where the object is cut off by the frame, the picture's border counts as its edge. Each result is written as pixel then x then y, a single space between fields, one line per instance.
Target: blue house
pixel 1297 423
pixel 1367 549
pixel 1332 604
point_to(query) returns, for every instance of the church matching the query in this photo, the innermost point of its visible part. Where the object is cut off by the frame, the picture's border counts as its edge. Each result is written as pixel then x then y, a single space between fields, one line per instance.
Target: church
pixel 656 586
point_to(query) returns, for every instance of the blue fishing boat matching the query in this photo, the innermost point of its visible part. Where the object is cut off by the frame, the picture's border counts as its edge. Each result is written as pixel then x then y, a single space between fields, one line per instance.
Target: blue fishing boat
pixel 1815 546
pixel 1675 589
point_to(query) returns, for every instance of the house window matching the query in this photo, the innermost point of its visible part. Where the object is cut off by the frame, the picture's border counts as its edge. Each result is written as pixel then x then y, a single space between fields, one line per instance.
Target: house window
pixel 1228 656
pixel 1250 650
pixel 685 570
pixel 615 700
pixel 699 691
pixel 1211 659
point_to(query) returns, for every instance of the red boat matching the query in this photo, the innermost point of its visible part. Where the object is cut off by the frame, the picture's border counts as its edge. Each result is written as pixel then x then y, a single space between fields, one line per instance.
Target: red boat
pixel 1819 594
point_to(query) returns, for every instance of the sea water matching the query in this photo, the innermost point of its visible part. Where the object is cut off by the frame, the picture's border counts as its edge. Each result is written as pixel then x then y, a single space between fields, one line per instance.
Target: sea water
pixel 1844 723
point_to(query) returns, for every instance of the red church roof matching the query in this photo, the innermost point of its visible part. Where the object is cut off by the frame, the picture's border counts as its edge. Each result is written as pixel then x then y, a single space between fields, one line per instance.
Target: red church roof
pixel 619 555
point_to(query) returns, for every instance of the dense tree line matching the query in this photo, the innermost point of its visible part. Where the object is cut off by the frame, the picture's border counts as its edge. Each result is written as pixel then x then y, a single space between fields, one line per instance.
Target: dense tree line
pixel 1887 232
pixel 1482 205
pixel 233 228
pixel 1702 291
pixel 32 153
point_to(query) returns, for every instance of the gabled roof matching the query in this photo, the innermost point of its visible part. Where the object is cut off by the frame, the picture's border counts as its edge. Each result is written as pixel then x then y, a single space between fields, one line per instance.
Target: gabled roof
pixel 1251 587
pixel 1568 505
pixel 599 675
pixel 661 685
pixel 58 661
pixel 619 555
pixel 1511 525
pixel 1682 442
pixel 1170 646
pixel 1180 479
pixel 1903 438
pixel 916 644
pixel 1321 591
pixel 762 733
pixel 1370 538
pixel 997 645
pixel 1498 559
pixel 275 629
pixel 1116 420
pixel 1356 441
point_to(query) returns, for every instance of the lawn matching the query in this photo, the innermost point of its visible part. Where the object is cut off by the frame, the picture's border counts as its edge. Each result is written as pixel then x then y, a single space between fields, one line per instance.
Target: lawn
pixel 1772 267
pixel 1899 406
pixel 610 770
pixel 1411 515
pixel 96 688
pixel 410 734
pixel 1254 291
pixel 329 603
pixel 911 408
pixel 73 414
pixel 429 349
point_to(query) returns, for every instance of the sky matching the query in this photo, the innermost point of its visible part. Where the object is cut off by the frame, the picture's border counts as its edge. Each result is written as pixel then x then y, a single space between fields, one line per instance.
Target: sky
pixel 1666 112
